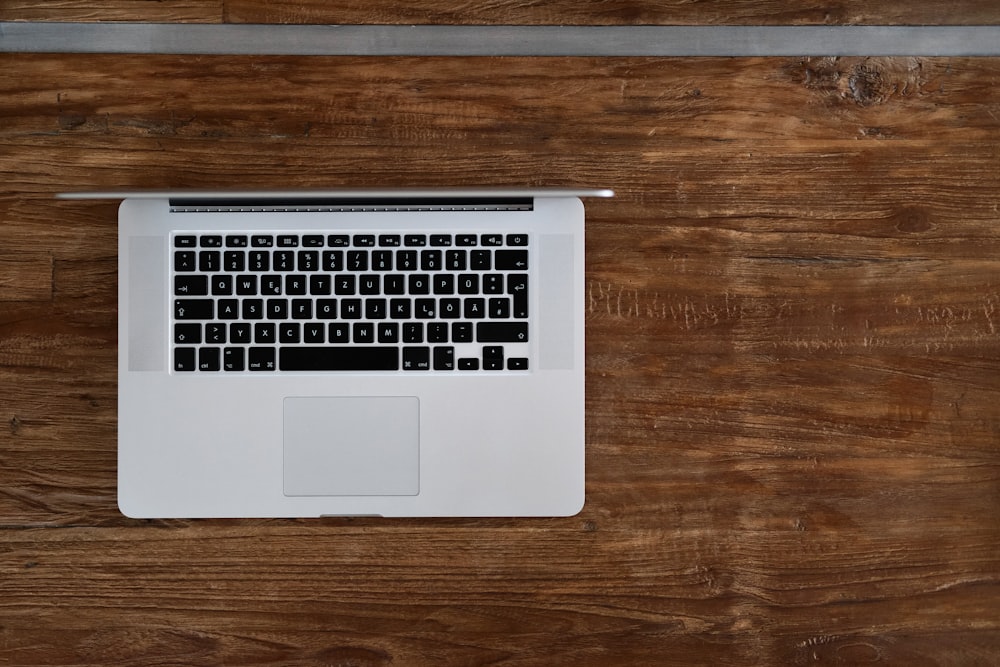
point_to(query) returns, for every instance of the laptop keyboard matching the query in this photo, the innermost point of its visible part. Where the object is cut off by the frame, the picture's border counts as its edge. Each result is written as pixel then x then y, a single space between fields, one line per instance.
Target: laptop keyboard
pixel 273 302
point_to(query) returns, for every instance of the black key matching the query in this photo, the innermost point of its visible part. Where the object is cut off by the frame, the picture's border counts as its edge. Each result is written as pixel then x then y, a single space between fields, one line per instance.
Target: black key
pixel 308 260
pixel 512 260
pixel 312 241
pixel 289 332
pixel 326 309
pixel 468 364
pixel 284 260
pixel 194 309
pixel 184 260
pixel 376 309
pixel 295 285
pixel 466 240
pixel 369 284
pixel 215 333
pixel 239 332
pixel 437 332
pixel 307 358
pixel 263 333
pixel 350 309
pixel 517 364
pixel 313 333
pixel 364 240
pixel 233 359
pixel 262 358
pixel 493 352
pixel 228 309
pixel 450 308
pixel 277 309
pixel 502 332
pixel 517 239
pixel 333 260
pixel 357 260
pixel 185 241
pixel 236 241
pixel 468 283
pixel 211 241
pixel 209 260
pixel 234 260
pixel 475 309
pixel 364 332
pixel 187 334
pixel 492 358
pixel 440 240
pixel 270 285
pixel 288 241
pixel 320 285
pixel 406 260
pixel 491 239
pixel 394 284
pixel 340 333
pixel 499 308
pixel 430 260
pixel 208 359
pixel 261 241
pixel 420 283
pixel 444 358
pixel 416 358
pixel 416 240
pixel 399 309
pixel 191 285
pixel 338 240
pixel 493 283
pixel 389 240
pixel 444 283
pixel 184 359
pixel 222 285
pixel 253 309
pixel 388 332
pixel 246 285
pixel 382 260
pixel 259 260
pixel 461 332
pixel 302 309
pixel 454 260
pixel 479 260
pixel 413 332
pixel 517 286
pixel 424 309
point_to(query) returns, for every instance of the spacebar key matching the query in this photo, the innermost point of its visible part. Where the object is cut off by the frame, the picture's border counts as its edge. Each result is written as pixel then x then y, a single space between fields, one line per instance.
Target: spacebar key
pixel 361 358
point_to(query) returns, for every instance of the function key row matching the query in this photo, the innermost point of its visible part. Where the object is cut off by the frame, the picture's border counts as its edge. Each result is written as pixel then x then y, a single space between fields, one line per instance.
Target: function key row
pixel 346 240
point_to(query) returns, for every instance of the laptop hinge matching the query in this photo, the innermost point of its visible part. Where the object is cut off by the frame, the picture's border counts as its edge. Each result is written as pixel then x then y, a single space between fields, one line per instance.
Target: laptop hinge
pixel 348 205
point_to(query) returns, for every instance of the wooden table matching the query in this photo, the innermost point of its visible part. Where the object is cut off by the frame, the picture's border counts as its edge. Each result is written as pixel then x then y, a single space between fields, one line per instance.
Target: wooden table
pixel 793 360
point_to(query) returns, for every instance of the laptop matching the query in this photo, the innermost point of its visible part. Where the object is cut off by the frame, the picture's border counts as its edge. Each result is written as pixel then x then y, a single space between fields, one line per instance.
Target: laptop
pixel 393 353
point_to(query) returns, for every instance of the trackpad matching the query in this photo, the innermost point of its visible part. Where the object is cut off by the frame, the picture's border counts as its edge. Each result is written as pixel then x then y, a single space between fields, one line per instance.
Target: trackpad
pixel 352 446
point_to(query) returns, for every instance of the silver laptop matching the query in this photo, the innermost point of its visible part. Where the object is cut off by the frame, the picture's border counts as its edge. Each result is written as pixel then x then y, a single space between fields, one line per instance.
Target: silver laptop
pixel 365 353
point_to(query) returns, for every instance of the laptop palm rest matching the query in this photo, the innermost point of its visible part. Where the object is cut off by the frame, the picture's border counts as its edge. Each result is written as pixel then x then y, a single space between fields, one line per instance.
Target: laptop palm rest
pixel 351 446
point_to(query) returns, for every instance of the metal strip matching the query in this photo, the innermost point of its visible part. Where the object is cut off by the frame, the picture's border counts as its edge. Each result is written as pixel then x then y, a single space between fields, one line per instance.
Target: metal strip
pixel 490 40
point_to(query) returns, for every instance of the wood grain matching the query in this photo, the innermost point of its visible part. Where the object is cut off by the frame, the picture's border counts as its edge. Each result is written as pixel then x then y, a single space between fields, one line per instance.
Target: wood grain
pixel 514 12
pixel 793 364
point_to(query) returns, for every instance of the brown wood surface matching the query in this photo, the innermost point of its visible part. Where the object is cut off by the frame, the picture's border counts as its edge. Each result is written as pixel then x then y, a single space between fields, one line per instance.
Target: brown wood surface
pixel 515 12
pixel 793 364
